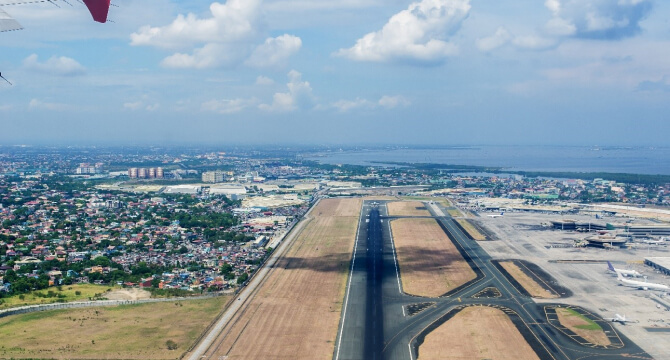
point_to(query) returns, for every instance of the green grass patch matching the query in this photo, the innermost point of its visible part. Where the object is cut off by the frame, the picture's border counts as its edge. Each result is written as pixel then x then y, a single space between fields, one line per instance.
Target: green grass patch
pixel 67 293
pixel 591 324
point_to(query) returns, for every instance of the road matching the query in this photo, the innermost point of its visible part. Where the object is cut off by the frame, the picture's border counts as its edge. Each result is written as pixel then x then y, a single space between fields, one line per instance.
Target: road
pixel 376 320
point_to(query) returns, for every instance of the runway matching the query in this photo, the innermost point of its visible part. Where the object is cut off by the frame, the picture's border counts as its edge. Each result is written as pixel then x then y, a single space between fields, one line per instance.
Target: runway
pixel 380 321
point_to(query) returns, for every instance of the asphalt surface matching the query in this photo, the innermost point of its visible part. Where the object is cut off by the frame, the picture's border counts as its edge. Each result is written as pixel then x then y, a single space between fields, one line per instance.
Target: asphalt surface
pixel 376 322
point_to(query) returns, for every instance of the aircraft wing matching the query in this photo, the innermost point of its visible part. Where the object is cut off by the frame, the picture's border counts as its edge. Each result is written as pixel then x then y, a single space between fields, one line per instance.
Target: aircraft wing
pixel 7 23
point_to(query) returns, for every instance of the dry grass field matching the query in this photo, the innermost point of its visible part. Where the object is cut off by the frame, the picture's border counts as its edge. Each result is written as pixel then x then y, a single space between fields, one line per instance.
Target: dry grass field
pixel 338 207
pixel 296 312
pixel 477 332
pixel 430 264
pixel 407 208
pixel 455 212
pixel 471 229
pixel 121 332
pixel 533 288
pixel 582 326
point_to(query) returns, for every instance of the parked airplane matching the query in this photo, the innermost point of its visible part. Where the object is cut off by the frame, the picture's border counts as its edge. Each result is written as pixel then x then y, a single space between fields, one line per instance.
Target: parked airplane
pixel 642 285
pixel 654 242
pixel 620 319
pixel 623 272
pixel 99 9
pixel 497 215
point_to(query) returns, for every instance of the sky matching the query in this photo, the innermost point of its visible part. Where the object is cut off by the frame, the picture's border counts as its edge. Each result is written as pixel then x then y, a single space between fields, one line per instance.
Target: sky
pixel 430 72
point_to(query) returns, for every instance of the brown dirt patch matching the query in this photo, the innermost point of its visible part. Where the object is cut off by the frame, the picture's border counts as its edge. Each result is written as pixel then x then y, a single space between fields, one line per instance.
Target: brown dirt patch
pixel 296 312
pixel 530 285
pixel 407 208
pixel 573 321
pixel 430 264
pixel 477 332
pixel 128 294
pixel 471 229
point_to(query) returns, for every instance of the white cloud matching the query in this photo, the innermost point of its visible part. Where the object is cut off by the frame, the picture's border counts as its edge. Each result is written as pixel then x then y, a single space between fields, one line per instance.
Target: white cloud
pixel 132 105
pixel 662 84
pixel 145 103
pixel 236 20
pixel 263 80
pixel 386 101
pixel 592 19
pixel 226 39
pixel 274 51
pixel 500 38
pixel 209 56
pixel 534 42
pixel 299 95
pixel 597 19
pixel 37 104
pixel 152 107
pixel 346 105
pixel 5 107
pixel 61 66
pixel 553 5
pixel 391 102
pixel 319 5
pixel 414 35
pixel 228 106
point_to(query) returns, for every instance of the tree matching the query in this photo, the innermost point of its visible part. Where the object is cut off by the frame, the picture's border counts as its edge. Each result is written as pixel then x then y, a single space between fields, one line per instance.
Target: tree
pixel 242 278
pixel 171 345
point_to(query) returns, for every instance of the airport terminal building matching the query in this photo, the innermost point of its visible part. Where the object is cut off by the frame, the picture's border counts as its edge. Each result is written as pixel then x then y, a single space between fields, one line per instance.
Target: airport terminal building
pixel 661 264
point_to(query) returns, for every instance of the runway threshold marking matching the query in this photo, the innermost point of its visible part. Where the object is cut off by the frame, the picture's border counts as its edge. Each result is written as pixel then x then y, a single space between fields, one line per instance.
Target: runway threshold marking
pixel 351 273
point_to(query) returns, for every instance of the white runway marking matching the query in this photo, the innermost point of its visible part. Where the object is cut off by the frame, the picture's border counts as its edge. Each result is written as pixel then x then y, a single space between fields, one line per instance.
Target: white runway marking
pixel 395 261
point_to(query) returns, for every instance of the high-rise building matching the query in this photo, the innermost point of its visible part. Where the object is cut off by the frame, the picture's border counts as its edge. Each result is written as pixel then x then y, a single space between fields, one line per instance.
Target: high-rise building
pixel 212 176
pixel 132 173
pixel 85 168
pixel 159 173
pixel 152 173
pixel 142 173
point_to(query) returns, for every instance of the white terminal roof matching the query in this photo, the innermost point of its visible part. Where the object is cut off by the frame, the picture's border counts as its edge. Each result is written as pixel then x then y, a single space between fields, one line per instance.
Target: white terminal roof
pixel 660 261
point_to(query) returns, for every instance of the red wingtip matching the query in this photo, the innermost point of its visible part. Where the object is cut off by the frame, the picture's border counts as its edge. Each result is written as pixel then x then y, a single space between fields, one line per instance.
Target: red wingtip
pixel 99 9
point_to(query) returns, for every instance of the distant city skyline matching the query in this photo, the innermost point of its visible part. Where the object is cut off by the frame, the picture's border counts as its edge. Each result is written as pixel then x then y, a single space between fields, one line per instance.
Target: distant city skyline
pixel 438 72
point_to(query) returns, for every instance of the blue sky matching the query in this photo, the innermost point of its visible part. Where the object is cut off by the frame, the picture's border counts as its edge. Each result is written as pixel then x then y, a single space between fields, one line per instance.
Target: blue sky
pixel 339 71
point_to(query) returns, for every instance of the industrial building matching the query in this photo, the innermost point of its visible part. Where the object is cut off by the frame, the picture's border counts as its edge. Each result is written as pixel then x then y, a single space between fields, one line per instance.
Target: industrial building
pixel 260 241
pixel 145 173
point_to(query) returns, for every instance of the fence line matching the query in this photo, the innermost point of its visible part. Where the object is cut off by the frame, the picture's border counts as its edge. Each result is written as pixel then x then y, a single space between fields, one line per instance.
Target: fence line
pixel 83 304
